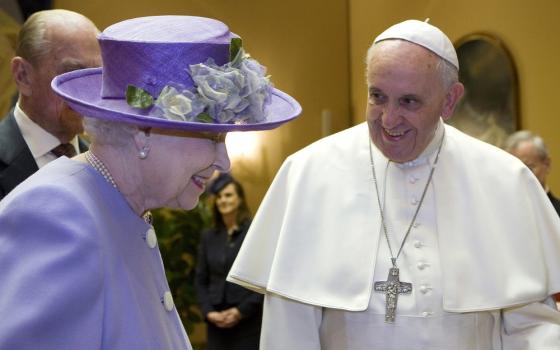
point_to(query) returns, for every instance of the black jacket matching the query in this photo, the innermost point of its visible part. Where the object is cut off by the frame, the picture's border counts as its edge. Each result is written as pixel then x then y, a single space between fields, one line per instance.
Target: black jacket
pixel 555 202
pixel 215 257
pixel 16 161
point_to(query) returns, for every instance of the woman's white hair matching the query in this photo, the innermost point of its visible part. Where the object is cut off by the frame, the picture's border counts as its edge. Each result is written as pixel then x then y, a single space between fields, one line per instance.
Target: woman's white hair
pixel 104 132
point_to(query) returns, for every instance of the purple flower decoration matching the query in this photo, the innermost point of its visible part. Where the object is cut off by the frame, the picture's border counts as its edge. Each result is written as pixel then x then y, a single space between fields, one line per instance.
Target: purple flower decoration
pixel 237 92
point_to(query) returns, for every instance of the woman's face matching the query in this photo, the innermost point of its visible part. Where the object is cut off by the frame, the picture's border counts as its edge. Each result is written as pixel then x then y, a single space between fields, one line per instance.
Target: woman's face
pixel 228 200
pixel 178 166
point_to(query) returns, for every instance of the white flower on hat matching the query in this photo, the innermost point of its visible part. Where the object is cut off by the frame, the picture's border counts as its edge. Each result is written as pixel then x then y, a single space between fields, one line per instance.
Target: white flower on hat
pixel 176 105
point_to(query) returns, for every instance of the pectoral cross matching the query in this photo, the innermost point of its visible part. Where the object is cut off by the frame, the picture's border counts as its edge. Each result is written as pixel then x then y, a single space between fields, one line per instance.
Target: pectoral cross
pixel 392 288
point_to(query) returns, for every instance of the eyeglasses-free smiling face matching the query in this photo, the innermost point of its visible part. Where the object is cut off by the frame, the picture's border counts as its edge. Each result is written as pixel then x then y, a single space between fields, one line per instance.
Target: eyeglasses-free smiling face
pixel 228 200
pixel 406 97
pixel 179 165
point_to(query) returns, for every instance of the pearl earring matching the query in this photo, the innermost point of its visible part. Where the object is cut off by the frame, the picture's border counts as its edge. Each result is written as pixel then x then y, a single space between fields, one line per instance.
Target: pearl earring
pixel 143 154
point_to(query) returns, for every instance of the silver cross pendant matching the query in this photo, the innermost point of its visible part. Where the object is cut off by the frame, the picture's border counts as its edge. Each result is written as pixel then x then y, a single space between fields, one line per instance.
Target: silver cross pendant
pixel 392 288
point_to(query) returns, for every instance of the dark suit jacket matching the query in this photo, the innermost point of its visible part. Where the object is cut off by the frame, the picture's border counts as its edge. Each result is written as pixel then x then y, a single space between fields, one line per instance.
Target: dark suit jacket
pixel 555 202
pixel 16 161
pixel 215 257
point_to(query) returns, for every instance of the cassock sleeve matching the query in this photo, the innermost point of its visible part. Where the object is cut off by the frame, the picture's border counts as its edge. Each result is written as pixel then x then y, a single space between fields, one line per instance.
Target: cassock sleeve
pixel 534 326
pixel 288 324
pixel 253 264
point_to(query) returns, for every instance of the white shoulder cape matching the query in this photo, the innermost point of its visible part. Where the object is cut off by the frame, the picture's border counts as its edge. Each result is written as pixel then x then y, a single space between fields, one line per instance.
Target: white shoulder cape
pixel 315 234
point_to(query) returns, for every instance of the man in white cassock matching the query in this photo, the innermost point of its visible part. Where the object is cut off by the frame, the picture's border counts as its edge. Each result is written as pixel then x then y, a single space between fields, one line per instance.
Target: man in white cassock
pixel 403 232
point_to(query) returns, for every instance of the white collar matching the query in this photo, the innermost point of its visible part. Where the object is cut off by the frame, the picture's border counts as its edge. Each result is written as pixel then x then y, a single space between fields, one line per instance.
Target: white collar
pixel 39 141
pixel 428 152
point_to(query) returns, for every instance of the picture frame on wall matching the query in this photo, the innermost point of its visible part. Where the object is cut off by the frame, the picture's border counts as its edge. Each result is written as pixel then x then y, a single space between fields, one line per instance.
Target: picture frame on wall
pixel 489 109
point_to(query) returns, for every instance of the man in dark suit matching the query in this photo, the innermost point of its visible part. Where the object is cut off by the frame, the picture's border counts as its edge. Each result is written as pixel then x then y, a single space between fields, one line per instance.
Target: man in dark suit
pixel 41 127
pixel 532 151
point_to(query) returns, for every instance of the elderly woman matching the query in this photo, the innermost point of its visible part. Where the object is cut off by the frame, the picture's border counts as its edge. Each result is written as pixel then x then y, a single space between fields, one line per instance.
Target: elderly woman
pixel 233 313
pixel 79 262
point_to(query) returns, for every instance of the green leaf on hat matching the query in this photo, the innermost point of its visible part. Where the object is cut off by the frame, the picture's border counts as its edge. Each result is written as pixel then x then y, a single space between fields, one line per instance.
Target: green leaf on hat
pixel 235 45
pixel 205 118
pixel 138 98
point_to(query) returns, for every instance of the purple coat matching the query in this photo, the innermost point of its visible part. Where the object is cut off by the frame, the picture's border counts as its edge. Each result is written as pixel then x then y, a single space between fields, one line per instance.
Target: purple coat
pixel 76 269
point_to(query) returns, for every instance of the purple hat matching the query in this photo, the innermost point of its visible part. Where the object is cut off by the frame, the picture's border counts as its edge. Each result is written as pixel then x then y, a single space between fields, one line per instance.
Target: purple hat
pixel 176 72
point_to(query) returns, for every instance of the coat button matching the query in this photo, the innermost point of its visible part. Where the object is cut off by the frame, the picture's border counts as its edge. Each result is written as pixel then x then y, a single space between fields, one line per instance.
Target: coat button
pixel 151 238
pixel 168 301
pixel 418 244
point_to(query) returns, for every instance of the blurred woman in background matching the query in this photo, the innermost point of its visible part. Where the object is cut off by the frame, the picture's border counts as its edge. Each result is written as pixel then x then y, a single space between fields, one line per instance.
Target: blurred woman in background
pixel 233 313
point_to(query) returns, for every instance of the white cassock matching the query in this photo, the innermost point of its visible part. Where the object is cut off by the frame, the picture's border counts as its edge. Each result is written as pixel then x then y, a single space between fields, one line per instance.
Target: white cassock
pixel 483 255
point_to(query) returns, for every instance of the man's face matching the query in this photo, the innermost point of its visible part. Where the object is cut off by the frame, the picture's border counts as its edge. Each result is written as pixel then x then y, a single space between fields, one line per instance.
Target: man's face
pixel 406 99
pixel 74 48
pixel 527 152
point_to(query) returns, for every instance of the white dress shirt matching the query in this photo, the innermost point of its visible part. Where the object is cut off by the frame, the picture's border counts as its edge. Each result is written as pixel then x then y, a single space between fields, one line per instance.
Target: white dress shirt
pixel 39 141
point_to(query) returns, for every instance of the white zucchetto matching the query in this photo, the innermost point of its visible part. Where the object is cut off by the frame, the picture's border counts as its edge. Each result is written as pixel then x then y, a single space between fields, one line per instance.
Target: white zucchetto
pixel 423 34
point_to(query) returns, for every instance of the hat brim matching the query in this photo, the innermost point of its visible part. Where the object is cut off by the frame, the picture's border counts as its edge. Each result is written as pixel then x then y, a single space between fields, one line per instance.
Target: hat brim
pixel 81 90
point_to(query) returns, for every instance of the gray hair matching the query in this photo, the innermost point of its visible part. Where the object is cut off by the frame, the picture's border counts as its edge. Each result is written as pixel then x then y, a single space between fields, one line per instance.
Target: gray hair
pixel 449 73
pixel 513 141
pixel 32 41
pixel 104 132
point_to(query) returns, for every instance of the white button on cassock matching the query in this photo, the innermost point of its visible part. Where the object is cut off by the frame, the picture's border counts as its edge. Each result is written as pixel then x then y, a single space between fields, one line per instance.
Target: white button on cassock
pixel 422 265
pixel 414 201
pixel 424 289
pixel 151 238
pixel 168 301
pixel 418 244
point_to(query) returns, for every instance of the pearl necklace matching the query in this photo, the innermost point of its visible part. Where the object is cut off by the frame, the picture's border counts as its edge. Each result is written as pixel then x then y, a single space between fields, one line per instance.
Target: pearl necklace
pixel 98 165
